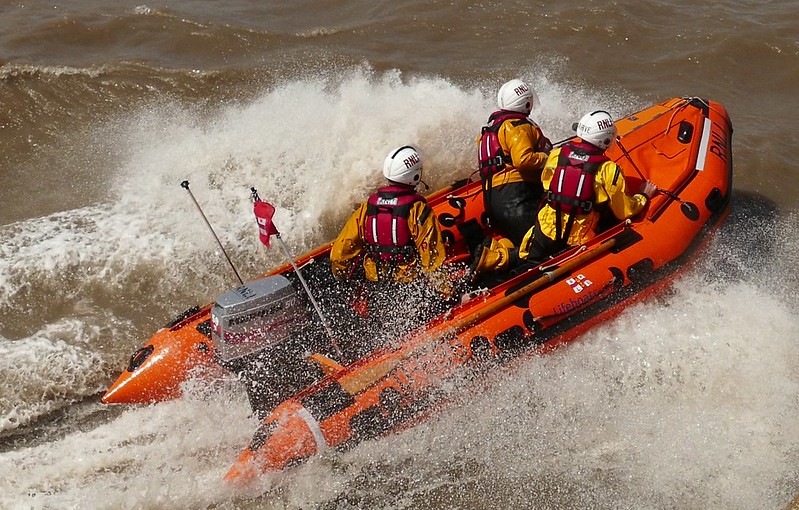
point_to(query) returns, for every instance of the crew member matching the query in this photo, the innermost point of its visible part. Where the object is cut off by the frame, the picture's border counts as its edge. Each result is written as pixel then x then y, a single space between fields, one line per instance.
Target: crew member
pixel 580 181
pixel 512 151
pixel 394 237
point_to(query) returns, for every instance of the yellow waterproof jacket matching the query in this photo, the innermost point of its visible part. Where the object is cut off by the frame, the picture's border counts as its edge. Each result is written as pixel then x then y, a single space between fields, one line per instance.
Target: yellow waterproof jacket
pixel 609 187
pixel 350 244
pixel 519 139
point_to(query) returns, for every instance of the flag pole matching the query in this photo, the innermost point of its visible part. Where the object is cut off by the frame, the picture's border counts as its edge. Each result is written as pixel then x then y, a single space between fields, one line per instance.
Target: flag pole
pixel 185 185
pixel 308 291
pixel 305 286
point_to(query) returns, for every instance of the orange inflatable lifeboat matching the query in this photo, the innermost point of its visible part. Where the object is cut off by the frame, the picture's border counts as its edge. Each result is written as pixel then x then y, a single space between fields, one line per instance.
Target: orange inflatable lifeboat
pixel 312 403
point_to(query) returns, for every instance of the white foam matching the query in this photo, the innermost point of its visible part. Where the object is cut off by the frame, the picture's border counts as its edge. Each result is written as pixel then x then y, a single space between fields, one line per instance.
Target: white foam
pixel 649 414
pixel 171 455
pixel 312 147
pixel 686 401
pixel 49 370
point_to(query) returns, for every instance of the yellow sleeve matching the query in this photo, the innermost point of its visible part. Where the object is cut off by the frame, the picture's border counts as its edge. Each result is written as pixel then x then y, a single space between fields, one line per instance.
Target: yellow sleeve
pixel 427 237
pixel 549 168
pixel 611 187
pixel 520 142
pixel 348 245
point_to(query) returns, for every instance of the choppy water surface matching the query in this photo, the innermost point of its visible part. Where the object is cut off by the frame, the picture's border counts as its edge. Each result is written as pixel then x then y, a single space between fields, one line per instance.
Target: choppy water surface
pixel 687 400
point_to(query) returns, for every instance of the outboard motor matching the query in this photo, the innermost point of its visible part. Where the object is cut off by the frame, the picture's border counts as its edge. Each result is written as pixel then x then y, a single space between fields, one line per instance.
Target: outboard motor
pixel 259 332
pixel 255 316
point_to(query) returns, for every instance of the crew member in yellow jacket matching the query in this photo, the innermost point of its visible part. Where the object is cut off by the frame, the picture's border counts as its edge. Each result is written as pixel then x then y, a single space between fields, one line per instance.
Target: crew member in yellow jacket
pixel 394 232
pixel 393 236
pixel 512 151
pixel 580 182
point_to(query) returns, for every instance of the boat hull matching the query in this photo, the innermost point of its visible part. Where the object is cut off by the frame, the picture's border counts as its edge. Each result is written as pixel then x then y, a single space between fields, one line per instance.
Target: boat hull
pixel 537 310
pixel 683 145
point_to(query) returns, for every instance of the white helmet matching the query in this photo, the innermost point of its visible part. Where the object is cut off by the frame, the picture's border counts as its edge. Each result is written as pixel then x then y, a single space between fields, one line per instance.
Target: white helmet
pixel 517 96
pixel 597 128
pixel 403 165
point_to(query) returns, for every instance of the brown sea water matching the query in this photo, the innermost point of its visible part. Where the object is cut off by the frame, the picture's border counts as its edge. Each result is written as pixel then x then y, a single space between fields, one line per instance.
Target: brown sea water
pixel 688 400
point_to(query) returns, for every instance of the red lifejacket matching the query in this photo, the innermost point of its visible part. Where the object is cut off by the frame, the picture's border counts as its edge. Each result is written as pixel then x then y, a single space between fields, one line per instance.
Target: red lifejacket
pixel 386 231
pixel 572 185
pixel 491 159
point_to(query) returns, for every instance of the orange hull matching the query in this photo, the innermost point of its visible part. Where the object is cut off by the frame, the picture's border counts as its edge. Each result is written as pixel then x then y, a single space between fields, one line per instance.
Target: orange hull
pixel 157 370
pixel 683 145
pixel 529 312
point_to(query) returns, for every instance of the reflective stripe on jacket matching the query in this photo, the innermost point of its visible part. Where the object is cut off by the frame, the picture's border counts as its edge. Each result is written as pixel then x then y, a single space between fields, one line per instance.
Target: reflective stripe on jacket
pixel 519 139
pixel 610 188
pixel 351 244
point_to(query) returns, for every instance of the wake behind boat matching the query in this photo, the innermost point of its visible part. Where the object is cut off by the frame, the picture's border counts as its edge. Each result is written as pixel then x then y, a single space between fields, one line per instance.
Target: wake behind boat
pixel 266 331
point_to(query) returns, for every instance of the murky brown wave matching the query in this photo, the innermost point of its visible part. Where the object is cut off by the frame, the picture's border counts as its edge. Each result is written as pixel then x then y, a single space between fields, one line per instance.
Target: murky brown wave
pixel 107 107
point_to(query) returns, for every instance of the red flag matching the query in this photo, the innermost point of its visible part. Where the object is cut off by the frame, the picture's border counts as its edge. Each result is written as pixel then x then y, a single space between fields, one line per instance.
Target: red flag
pixel 263 215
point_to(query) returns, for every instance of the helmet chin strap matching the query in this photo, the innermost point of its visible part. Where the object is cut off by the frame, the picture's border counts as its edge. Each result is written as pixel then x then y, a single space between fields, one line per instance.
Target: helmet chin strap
pixel 426 187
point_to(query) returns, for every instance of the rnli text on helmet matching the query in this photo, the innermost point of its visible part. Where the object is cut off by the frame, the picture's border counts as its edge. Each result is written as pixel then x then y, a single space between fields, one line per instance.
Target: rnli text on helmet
pixel 605 123
pixel 411 160
pixel 521 89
